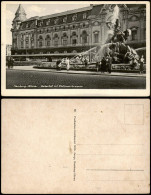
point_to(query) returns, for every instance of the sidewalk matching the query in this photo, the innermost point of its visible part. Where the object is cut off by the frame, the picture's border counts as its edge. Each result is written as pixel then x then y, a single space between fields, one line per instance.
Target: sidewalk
pixel 30 68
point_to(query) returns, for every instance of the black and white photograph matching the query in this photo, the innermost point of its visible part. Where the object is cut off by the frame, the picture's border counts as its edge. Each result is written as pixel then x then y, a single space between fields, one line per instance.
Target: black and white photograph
pixel 74 46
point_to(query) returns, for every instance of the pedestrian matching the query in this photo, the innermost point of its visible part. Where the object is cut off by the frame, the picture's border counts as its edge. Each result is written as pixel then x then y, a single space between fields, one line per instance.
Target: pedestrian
pixel 97 66
pixel 109 64
pixel 141 64
pixel 58 65
pixel 49 59
pixel 10 62
pixel 67 64
pixel 103 65
pixel 134 64
pixel 85 62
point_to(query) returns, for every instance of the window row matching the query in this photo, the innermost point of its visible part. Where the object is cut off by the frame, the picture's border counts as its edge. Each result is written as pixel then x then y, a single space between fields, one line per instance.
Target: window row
pixel 55 42
pixel 57 28
pixel 62 19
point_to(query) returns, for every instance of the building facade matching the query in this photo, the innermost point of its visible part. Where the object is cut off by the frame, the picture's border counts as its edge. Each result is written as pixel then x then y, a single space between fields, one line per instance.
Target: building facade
pixel 75 31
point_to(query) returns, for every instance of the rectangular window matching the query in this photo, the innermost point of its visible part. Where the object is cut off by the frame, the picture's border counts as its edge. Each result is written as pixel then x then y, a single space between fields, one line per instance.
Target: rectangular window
pixel 64 41
pixel 134 35
pixel 55 42
pixel 22 44
pixel 84 40
pixel 32 43
pixel 27 44
pixel 96 38
pixel 48 43
pixel 74 42
pixel 40 44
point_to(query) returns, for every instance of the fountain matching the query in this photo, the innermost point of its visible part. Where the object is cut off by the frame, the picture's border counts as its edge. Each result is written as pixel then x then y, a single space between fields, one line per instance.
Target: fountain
pixel 115 46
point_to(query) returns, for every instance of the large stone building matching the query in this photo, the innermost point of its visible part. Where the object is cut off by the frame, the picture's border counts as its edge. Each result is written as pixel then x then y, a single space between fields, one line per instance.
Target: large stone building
pixel 76 30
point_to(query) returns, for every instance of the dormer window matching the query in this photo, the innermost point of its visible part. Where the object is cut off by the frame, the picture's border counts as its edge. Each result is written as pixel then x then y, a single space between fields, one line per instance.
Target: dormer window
pixel 84 16
pixel 27 25
pixel 40 23
pixel 74 17
pixel 65 19
pixel 56 21
pixel 48 22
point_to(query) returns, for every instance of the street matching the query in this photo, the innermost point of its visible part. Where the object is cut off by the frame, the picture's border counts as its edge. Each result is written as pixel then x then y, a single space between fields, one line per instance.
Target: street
pixel 19 79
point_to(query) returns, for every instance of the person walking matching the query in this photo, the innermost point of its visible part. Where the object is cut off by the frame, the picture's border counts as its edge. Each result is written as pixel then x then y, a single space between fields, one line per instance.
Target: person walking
pixel 109 63
pixel 11 62
pixel 141 64
pixel 97 66
pixel 85 62
pixel 103 65
pixel 67 64
pixel 58 64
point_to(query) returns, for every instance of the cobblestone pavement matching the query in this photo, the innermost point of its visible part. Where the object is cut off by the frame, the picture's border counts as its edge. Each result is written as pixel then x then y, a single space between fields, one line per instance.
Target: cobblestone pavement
pixel 19 79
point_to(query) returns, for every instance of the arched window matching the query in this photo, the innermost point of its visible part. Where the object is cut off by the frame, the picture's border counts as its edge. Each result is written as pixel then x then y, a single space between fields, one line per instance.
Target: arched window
pixel 74 38
pixel 48 40
pixel 64 39
pixel 64 35
pixel 56 40
pixel 32 43
pixel 74 41
pixel 84 37
pixel 22 44
pixel 40 41
pixel 27 43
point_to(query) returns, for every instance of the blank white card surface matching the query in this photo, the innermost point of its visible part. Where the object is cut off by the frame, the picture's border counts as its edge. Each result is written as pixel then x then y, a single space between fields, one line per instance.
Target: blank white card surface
pixel 75 146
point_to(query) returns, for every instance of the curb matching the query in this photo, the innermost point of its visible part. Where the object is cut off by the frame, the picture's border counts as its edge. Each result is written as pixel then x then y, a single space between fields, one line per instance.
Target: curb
pixel 85 73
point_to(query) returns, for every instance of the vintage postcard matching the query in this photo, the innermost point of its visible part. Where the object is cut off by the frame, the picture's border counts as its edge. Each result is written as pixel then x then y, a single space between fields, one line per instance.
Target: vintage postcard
pixel 64 146
pixel 75 48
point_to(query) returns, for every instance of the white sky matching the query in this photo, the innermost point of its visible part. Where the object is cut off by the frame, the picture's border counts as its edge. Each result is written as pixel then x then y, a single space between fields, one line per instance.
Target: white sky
pixel 35 10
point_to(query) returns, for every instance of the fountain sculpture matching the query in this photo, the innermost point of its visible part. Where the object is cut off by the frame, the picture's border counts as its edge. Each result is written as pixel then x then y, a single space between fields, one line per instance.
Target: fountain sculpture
pixel 115 45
